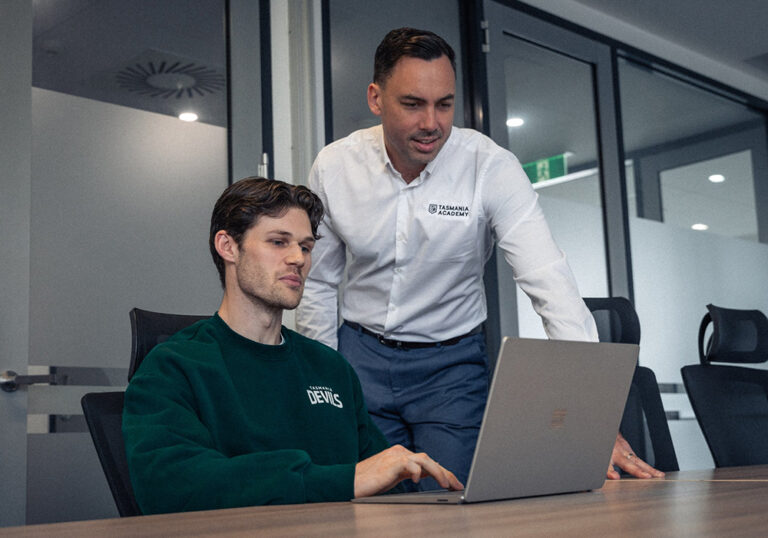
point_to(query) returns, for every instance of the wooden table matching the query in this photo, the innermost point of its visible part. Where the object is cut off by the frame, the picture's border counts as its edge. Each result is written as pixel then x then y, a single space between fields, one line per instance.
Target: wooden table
pixel 722 502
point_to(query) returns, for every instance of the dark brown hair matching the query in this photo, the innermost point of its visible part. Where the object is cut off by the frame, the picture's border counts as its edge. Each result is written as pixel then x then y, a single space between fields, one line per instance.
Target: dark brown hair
pixel 242 203
pixel 411 43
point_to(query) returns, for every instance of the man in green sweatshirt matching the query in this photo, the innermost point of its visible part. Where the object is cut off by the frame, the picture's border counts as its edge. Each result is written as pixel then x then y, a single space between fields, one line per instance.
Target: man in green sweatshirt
pixel 238 410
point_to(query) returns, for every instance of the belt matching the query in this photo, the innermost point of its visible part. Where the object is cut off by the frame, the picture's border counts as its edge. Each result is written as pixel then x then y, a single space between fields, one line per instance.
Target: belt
pixel 399 344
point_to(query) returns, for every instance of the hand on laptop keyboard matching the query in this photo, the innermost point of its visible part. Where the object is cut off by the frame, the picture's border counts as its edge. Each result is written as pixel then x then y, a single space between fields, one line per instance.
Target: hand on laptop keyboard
pixel 386 469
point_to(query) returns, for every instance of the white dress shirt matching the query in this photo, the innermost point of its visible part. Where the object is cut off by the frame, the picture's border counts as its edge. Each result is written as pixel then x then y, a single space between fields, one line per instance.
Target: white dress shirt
pixel 414 253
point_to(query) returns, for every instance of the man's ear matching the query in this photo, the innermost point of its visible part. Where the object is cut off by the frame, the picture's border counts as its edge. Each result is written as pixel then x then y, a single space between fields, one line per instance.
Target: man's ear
pixel 374 98
pixel 226 246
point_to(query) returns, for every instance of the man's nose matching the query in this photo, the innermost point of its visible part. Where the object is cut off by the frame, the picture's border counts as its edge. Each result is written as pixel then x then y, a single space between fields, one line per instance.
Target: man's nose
pixel 429 119
pixel 295 255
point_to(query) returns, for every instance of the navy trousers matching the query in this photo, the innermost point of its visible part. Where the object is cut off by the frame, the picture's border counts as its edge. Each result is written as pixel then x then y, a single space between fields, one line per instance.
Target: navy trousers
pixel 428 400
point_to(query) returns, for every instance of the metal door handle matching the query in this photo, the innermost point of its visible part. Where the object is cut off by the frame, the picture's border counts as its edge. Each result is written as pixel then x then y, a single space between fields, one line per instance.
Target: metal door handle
pixel 10 381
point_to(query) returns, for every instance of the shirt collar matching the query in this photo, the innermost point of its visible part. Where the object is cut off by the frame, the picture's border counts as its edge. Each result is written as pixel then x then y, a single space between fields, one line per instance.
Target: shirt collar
pixel 428 170
pixel 441 156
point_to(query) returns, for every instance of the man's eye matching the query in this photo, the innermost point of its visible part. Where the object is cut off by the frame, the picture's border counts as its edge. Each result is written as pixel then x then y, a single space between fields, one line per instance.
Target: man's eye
pixel 278 242
pixel 446 105
pixel 410 105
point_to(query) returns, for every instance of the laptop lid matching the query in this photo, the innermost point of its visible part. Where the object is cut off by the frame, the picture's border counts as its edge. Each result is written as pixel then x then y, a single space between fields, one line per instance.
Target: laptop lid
pixel 550 423
pixel 551 420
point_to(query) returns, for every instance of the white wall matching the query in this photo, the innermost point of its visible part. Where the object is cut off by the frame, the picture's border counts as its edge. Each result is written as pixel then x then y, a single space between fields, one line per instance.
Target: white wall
pixel 121 204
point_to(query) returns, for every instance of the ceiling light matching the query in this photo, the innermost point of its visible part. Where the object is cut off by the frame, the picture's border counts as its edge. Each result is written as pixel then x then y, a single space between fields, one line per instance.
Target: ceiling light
pixel 515 122
pixel 717 178
pixel 700 227
pixel 188 116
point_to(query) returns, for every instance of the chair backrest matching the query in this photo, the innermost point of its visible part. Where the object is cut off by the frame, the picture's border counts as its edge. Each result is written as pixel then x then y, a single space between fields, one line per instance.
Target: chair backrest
pixel 151 328
pixel 616 319
pixel 731 402
pixel 644 423
pixel 738 336
pixel 104 415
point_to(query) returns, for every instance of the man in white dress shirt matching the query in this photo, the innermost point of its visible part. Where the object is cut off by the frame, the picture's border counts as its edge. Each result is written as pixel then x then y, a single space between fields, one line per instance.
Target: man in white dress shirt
pixel 413 207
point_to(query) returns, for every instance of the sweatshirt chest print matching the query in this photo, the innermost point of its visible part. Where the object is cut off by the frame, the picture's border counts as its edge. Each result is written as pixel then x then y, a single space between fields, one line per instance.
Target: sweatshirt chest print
pixel 319 395
pixel 448 209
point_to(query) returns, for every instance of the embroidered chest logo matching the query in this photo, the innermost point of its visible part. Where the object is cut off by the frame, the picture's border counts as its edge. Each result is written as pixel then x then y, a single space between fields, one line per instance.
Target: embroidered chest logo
pixel 448 210
pixel 323 395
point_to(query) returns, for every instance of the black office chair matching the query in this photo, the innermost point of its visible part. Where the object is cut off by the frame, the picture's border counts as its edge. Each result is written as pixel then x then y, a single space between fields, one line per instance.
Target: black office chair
pixel 151 328
pixel 731 402
pixel 104 414
pixel 644 423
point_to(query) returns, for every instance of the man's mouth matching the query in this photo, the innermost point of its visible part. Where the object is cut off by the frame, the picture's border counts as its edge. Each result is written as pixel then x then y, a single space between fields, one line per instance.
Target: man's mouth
pixel 292 280
pixel 426 144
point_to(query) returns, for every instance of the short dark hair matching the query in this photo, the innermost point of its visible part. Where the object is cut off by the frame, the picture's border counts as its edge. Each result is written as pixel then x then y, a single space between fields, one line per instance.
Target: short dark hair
pixel 242 203
pixel 411 43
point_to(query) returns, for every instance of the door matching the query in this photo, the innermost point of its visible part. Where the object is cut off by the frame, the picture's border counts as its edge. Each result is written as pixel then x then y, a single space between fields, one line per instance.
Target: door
pixel 547 87
pixel 105 206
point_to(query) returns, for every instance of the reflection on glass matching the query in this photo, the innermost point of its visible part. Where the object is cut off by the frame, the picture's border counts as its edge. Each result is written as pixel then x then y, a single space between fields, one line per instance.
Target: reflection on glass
pixel 718 193
pixel 676 134
pixel 557 144
pixel 167 57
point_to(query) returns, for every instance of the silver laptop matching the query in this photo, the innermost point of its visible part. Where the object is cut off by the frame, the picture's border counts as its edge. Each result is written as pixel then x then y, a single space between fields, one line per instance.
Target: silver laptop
pixel 550 423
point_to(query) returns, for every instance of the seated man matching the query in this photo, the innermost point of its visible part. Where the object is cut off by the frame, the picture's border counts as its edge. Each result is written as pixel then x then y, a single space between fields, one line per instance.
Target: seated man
pixel 237 410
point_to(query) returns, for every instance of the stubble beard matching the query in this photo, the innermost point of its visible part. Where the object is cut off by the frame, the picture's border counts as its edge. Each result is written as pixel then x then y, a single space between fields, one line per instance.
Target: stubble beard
pixel 266 293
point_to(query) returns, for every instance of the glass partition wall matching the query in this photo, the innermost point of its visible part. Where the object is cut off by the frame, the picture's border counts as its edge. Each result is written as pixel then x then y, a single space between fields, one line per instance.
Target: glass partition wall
pixel 678 182
pixel 552 129
pixel 698 166
pixel 121 193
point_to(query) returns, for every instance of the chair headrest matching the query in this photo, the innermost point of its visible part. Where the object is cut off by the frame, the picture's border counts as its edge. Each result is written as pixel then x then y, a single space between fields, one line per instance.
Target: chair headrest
pixel 738 336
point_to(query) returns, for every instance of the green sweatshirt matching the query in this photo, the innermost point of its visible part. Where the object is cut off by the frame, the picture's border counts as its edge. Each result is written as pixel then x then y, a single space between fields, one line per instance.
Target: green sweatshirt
pixel 214 420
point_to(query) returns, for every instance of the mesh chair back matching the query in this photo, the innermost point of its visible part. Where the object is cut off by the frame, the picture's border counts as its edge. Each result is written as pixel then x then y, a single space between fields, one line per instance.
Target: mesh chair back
pixel 731 402
pixel 644 423
pixel 104 414
pixel 738 336
pixel 151 328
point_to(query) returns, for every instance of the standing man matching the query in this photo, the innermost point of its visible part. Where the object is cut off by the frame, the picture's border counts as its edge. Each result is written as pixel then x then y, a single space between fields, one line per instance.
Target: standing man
pixel 413 207
pixel 237 410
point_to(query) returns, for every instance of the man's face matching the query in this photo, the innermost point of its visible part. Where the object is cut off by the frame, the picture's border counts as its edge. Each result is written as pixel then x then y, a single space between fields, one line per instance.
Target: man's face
pixel 415 104
pixel 274 259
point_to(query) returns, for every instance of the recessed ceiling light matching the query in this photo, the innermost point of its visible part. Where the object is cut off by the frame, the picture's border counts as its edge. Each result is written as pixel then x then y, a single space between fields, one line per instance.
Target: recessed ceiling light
pixel 188 116
pixel 700 227
pixel 717 178
pixel 515 122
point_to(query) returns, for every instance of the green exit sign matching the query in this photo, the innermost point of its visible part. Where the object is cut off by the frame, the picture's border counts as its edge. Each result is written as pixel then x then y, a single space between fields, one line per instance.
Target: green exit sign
pixel 549 168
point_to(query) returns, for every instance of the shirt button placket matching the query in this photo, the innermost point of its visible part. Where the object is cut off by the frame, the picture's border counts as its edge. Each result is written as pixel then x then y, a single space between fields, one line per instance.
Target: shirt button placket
pixel 397 270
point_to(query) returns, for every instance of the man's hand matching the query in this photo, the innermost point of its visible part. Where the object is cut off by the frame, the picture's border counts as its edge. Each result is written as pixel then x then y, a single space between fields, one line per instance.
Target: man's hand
pixel 386 469
pixel 624 458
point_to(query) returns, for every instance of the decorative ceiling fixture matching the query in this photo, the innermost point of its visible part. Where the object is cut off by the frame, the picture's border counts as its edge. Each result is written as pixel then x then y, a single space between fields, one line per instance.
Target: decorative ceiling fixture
pixel 170 79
